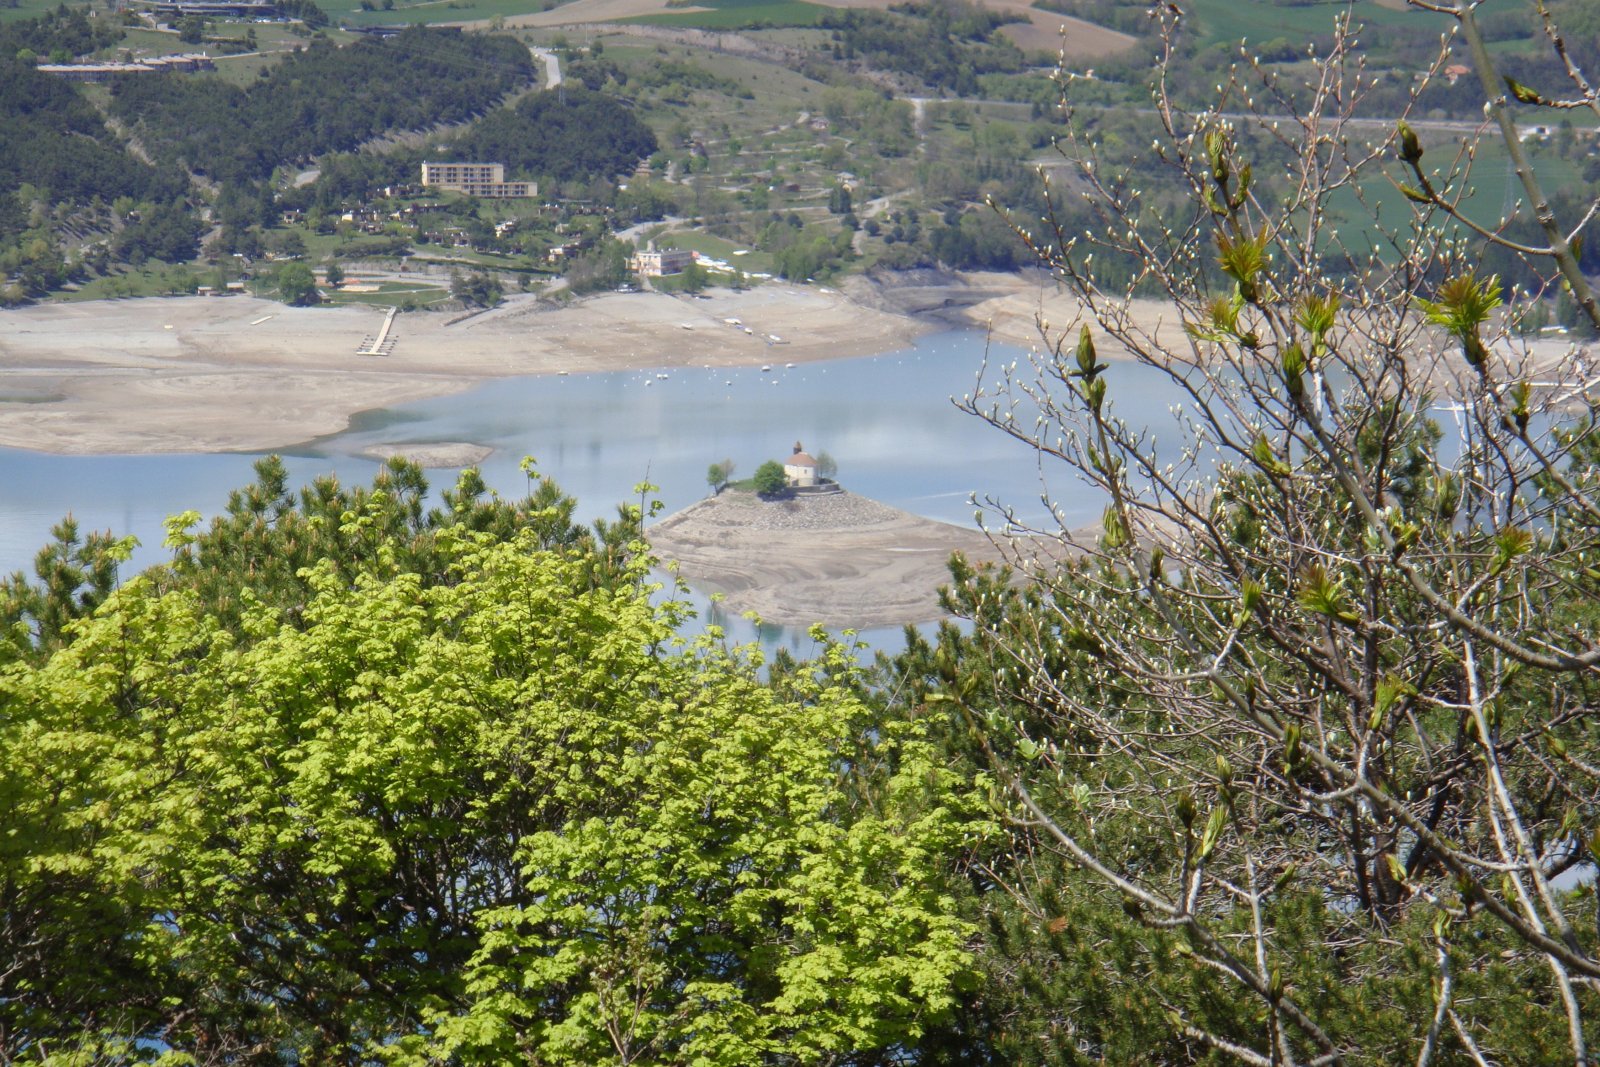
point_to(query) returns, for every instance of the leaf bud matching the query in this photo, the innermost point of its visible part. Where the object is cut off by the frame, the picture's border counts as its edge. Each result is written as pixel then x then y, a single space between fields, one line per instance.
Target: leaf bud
pixel 1522 93
pixel 1410 146
pixel 1186 810
pixel 1293 359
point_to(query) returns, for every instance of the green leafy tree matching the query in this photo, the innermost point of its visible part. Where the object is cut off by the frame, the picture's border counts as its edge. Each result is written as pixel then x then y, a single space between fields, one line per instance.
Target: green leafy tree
pixel 290 244
pixel 454 790
pixel 693 279
pixel 71 577
pixel 334 273
pixel 296 284
pixel 475 290
pixel 718 474
pixel 769 479
pixel 181 281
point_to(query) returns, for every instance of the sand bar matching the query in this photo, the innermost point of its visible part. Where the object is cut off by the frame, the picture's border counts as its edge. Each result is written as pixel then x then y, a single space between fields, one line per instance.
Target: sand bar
pixel 438 455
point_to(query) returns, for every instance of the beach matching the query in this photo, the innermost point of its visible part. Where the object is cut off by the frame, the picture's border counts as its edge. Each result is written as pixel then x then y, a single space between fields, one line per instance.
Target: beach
pixel 241 374
pixel 225 374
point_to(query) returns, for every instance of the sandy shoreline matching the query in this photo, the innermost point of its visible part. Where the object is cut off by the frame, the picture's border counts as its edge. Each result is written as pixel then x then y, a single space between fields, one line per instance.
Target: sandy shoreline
pixel 206 374
pixel 238 374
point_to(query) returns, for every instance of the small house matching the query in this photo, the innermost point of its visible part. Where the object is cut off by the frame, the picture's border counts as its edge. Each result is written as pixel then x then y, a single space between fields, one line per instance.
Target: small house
pixel 653 263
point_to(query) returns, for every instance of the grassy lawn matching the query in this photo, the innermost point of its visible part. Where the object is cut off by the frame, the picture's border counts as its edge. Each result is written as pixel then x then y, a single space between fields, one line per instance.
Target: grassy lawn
pixel 153 279
pixel 390 294
pixel 243 71
pixel 428 11
pixel 740 14
pixel 717 248
pixel 26 9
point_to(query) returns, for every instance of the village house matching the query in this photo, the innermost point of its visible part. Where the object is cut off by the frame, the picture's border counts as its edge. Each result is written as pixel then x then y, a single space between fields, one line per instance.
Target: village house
pixel 653 263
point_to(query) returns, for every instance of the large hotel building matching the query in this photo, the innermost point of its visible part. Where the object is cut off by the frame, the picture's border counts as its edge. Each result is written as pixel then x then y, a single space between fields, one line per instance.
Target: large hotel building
pixel 476 179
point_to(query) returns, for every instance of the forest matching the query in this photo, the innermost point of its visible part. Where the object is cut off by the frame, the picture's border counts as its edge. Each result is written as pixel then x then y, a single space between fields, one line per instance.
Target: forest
pixel 574 134
pixel 56 143
pixel 322 99
pixel 57 150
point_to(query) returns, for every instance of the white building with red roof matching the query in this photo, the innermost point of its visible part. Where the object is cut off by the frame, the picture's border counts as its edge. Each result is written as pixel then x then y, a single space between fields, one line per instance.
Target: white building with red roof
pixel 800 468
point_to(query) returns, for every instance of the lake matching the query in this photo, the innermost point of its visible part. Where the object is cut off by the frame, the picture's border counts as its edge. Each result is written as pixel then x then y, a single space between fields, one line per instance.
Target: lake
pixel 887 420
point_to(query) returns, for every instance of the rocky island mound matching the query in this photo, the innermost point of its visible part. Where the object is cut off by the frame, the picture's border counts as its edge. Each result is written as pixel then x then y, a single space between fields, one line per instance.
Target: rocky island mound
pixel 837 558
pixel 438 455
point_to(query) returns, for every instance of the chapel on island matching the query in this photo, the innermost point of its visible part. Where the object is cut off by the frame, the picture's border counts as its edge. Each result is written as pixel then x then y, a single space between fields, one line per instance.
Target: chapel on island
pixel 800 469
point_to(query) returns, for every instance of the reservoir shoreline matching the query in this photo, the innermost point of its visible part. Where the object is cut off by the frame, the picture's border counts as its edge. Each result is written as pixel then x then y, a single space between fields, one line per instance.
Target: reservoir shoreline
pixel 240 374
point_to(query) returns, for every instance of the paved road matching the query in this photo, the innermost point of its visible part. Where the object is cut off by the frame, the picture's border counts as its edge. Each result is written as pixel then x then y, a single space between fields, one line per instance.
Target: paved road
pixel 1463 126
pixel 552 66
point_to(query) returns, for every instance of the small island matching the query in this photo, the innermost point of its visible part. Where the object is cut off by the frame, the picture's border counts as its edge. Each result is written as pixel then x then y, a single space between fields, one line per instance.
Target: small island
pixel 809 551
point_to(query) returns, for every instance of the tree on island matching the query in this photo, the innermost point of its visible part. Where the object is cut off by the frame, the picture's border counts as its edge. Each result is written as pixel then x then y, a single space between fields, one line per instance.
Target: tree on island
pixel 718 475
pixel 827 467
pixel 770 480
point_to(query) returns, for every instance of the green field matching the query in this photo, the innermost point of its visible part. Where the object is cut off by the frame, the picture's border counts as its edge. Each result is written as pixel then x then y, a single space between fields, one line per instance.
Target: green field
pixel 1492 187
pixel 1228 21
pixel 428 12
pixel 718 248
pixel 390 294
pixel 740 14
pixel 26 9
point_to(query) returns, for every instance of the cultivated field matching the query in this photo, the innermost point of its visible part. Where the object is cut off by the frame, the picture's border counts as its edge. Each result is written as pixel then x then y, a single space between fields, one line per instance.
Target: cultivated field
pixel 1041 33
pixel 586 11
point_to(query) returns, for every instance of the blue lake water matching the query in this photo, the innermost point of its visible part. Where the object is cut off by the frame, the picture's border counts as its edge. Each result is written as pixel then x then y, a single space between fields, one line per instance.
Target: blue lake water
pixel 887 420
